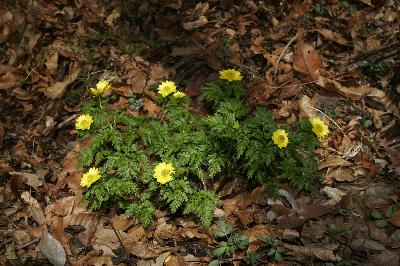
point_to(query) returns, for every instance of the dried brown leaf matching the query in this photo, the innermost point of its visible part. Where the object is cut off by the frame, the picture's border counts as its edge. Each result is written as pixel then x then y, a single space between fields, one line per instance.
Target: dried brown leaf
pixel 58 89
pixel 158 73
pixel 34 207
pixel 151 108
pixel 201 21
pixel 334 36
pixel 105 239
pixel 64 206
pixel 186 51
pixel 136 233
pixel 10 80
pixel 341 174
pixel 308 61
pixel 52 63
pixel 256 231
pixel 175 4
pixel 121 222
pixel 2 133
pixel 333 161
pixel 395 219
pixel 175 260
pixel 306 108
pixel 21 94
pixel 140 249
pixel 71 174
pixel 314 252
pixel 98 261
pixel 32 180
pixel 313 210
pixel 111 19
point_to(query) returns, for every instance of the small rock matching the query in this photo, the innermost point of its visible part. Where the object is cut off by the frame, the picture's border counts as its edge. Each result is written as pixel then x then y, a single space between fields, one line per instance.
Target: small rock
pixel 271 216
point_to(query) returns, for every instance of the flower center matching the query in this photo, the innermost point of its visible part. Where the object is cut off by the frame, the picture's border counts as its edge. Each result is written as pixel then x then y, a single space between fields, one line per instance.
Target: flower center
pixel 281 138
pixel 230 75
pixel 318 128
pixel 165 172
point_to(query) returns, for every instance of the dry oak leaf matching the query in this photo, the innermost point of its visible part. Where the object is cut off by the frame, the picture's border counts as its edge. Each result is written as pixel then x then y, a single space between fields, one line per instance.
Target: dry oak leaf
pixel 307 61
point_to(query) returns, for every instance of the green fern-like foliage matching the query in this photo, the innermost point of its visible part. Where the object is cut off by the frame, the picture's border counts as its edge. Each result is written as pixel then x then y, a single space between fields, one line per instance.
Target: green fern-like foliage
pixel 232 141
pixel 176 192
pixel 219 91
pixel 110 188
pixel 202 203
pixel 144 210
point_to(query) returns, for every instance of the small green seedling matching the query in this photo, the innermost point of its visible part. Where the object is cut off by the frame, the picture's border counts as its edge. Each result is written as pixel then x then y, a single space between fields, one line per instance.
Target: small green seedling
pixel 275 249
pixel 252 258
pixel 382 221
pixel 135 102
pixel 337 235
pixel 233 242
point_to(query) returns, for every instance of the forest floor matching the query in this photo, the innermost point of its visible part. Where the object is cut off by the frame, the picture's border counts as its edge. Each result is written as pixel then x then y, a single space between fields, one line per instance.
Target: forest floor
pixel 345 64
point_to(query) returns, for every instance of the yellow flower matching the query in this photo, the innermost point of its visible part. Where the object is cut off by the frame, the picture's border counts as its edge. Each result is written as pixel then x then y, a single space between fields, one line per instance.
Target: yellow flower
pixel 90 177
pixel 83 122
pixel 236 125
pixel 280 138
pixel 319 127
pixel 163 172
pixel 179 94
pixel 166 88
pixel 101 87
pixel 230 75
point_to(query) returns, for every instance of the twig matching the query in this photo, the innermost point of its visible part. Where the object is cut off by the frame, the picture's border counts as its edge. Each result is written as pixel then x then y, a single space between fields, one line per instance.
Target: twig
pixel 29 243
pixel 66 121
pixel 30 72
pixel 282 54
pixel 328 118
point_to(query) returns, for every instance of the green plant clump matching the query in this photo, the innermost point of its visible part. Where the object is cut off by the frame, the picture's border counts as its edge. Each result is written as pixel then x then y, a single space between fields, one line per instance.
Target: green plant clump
pixel 233 140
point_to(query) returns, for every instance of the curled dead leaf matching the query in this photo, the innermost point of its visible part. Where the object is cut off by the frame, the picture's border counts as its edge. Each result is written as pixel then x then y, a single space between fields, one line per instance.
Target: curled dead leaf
pixel 34 207
pixel 306 108
pixel 58 89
